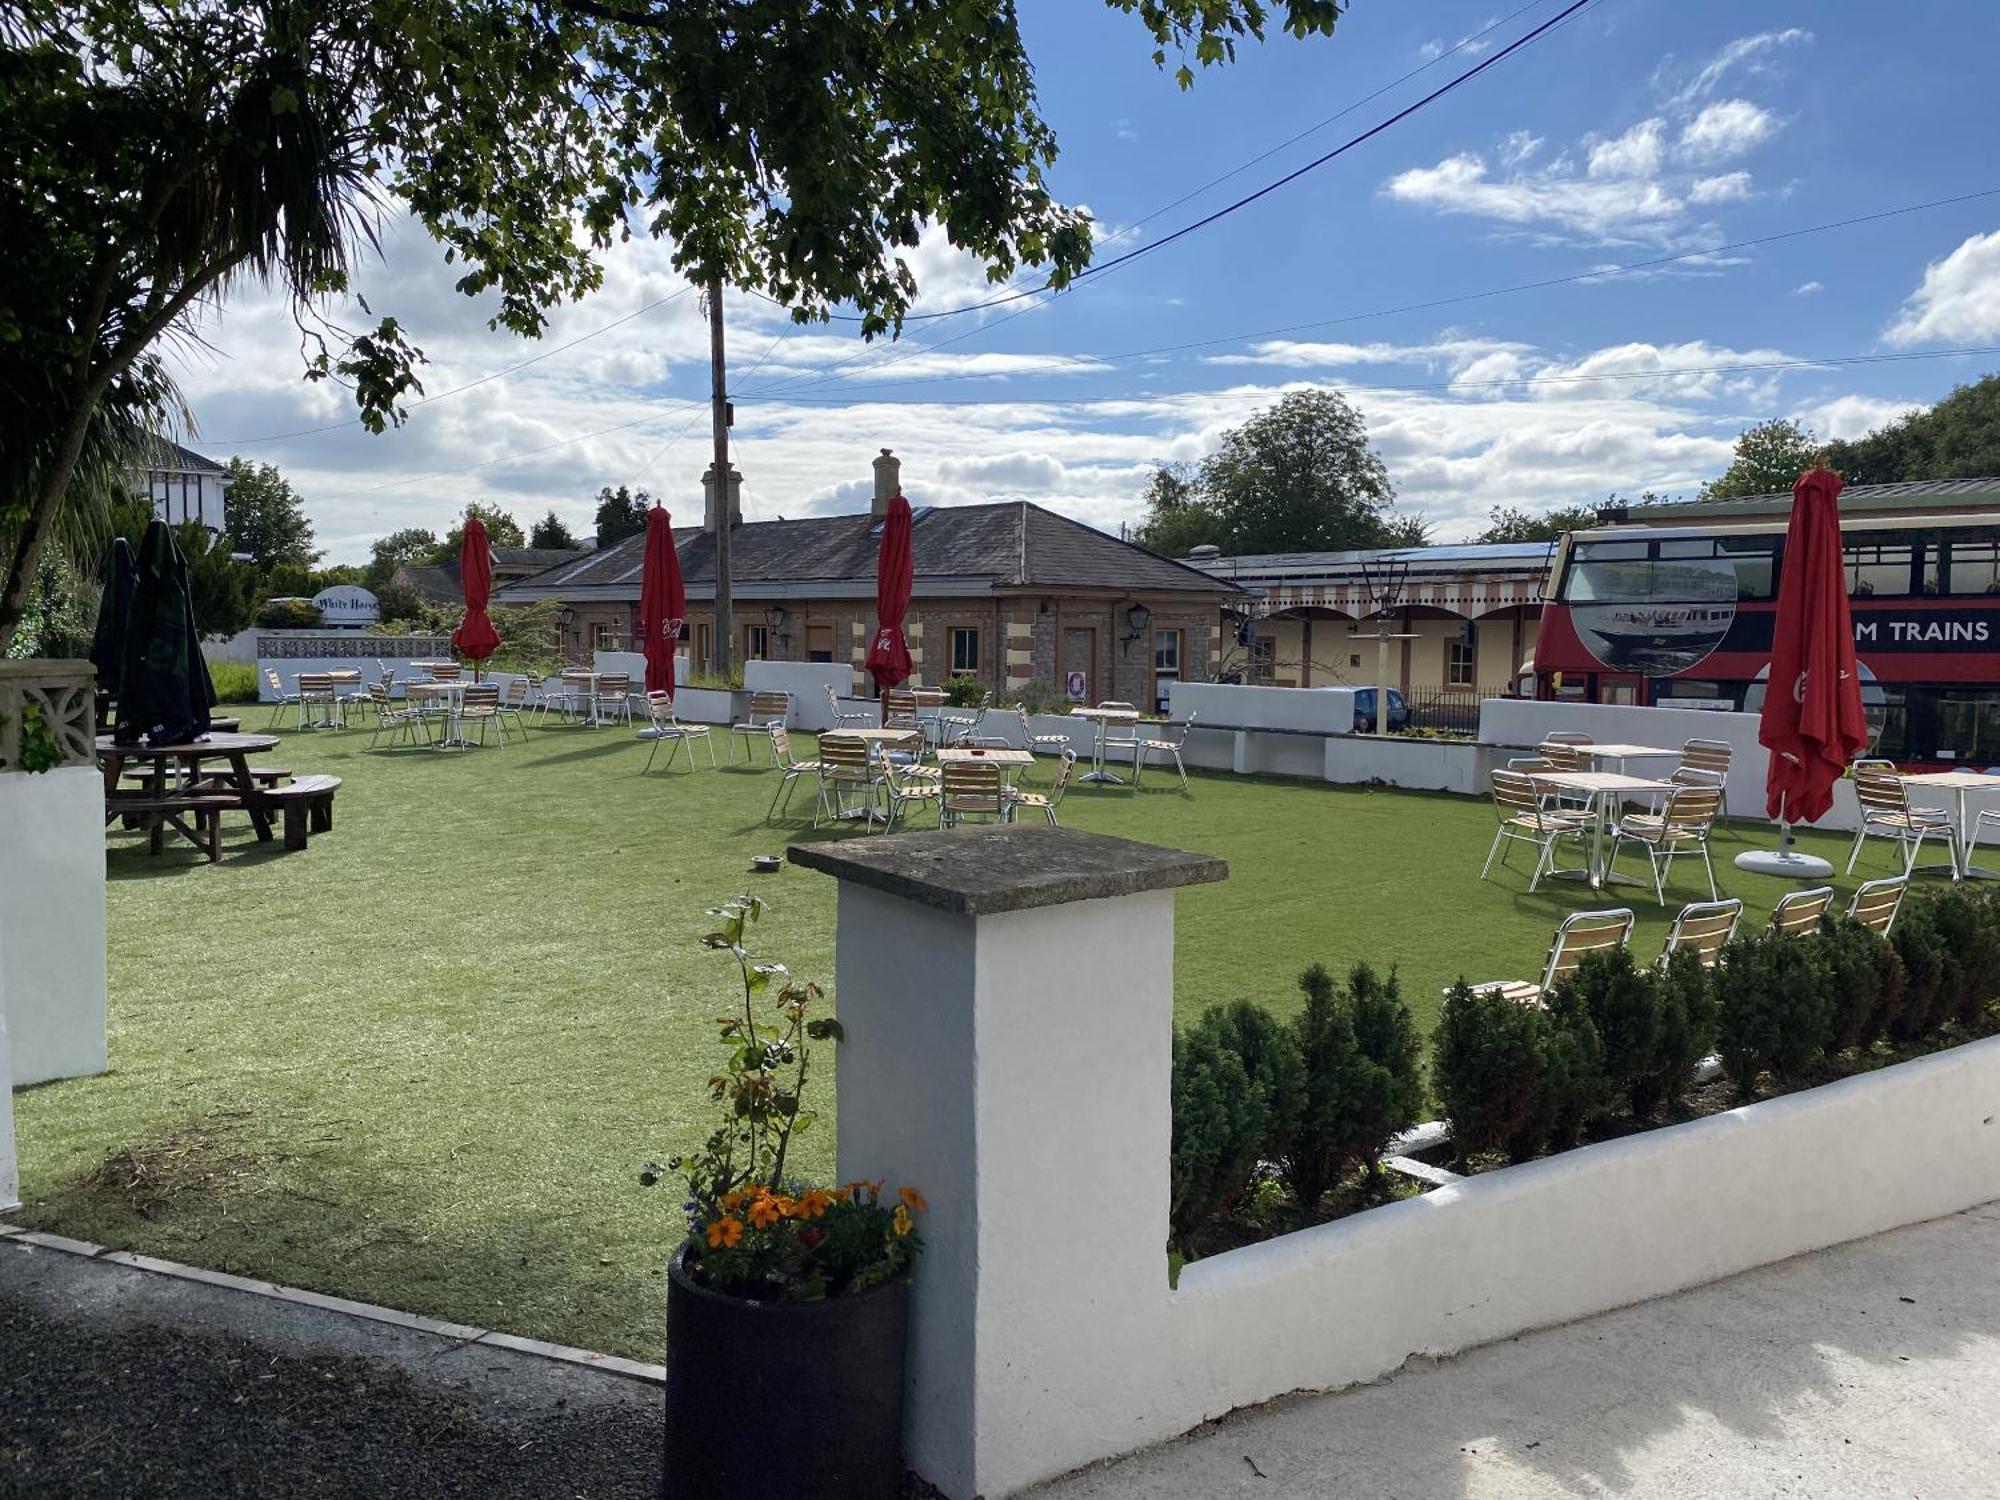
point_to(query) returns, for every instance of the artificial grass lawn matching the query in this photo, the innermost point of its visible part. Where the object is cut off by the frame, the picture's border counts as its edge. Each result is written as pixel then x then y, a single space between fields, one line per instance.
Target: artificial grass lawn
pixel 422 1062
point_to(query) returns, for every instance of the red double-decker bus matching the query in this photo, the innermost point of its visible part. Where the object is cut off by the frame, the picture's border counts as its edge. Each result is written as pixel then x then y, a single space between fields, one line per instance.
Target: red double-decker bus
pixel 1681 616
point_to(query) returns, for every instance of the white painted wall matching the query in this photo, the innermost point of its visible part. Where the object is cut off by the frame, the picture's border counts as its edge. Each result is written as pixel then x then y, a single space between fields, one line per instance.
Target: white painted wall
pixel 1421 765
pixel 807 682
pixel 10 1175
pixel 52 927
pixel 1325 710
pixel 1019 1075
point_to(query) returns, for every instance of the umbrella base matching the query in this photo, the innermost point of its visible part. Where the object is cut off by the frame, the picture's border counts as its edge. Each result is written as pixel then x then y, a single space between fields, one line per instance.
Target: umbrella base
pixel 1785 865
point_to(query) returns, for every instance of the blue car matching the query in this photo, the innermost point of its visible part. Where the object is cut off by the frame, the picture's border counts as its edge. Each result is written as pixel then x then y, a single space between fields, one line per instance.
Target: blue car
pixel 1364 711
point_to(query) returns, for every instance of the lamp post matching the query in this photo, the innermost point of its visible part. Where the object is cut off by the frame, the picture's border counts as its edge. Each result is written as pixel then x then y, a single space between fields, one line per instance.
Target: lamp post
pixel 1384 578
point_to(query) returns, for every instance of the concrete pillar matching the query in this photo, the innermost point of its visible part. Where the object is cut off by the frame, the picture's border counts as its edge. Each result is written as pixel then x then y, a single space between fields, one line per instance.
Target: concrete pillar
pixel 888 481
pixel 1007 999
pixel 709 510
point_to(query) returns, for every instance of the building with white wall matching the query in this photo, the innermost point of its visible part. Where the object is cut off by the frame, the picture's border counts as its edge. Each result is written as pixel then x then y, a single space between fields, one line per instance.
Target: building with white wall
pixel 184 486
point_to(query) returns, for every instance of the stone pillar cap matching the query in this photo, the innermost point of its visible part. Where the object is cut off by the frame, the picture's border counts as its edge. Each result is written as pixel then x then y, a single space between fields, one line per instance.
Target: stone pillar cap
pixel 976 872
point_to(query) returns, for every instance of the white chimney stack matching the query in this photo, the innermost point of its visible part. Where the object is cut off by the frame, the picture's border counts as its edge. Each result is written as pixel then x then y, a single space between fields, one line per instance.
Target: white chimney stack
pixel 888 481
pixel 709 509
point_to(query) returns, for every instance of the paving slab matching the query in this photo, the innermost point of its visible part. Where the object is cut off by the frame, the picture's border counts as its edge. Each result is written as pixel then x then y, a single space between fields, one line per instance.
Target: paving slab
pixel 1871 1369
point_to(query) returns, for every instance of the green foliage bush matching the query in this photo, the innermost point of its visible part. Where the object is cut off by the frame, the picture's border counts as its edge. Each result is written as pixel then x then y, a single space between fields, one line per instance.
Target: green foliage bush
pixel 1271 1062
pixel 288 614
pixel 235 681
pixel 1653 1026
pixel 1485 1063
pixel 1570 1087
pixel 1363 1080
pixel 1386 1033
pixel 1041 698
pixel 963 690
pixel 1964 919
pixel 1220 1122
pixel 1775 1007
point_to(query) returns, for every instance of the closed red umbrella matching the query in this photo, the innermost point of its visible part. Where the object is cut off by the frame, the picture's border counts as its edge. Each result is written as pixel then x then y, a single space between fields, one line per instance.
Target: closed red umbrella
pixel 889 656
pixel 662 601
pixel 475 636
pixel 1812 722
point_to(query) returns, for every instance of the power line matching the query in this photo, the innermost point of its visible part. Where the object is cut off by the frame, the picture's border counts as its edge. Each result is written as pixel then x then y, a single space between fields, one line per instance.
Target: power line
pixel 1600 273
pixel 1669 373
pixel 276 437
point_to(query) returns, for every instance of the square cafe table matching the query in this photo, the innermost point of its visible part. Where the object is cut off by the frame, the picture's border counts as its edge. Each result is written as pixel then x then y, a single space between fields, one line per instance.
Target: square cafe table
pixel 1105 717
pixel 1959 783
pixel 1603 788
pixel 1009 761
pixel 1622 753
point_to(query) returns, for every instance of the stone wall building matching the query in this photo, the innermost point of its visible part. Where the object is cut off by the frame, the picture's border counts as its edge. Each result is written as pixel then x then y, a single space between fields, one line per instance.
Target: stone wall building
pixel 1008 593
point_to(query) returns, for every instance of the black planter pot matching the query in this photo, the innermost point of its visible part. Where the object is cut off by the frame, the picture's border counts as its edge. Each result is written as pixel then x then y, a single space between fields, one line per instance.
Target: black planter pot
pixel 786 1399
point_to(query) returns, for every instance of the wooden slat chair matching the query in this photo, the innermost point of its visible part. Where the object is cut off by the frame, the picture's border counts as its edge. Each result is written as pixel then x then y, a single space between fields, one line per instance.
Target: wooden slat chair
pixel 1163 745
pixel 614 697
pixel 1567 737
pixel 766 709
pixel 899 709
pixel 442 671
pixel 958 726
pixel 572 692
pixel 845 768
pixel 790 770
pixel 1577 936
pixel 1681 827
pixel 845 718
pixel 316 692
pixel 1526 819
pixel 929 704
pixel 1040 744
pixel 1797 913
pixel 515 703
pixel 666 729
pixel 1047 802
pixel 481 706
pixel 1876 903
pixel 1704 929
pixel 972 789
pixel 1886 813
pixel 280 699
pixel 391 718
pixel 1703 763
pixel 900 790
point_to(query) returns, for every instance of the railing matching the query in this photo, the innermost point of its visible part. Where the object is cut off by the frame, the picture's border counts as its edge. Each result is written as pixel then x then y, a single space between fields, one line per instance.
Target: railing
pixel 343 645
pixel 48 714
pixel 1452 709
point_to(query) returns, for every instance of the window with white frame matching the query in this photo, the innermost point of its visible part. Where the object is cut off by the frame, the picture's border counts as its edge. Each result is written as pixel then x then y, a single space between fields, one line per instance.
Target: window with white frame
pixel 964 649
pixel 1462 660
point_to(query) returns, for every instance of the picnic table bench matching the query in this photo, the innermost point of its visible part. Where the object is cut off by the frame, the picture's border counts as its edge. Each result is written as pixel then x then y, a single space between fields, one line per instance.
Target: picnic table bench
pixel 307 805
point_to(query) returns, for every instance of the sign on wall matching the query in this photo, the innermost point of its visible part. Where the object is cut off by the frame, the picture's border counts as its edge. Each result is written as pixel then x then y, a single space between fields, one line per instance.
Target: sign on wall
pixel 346 605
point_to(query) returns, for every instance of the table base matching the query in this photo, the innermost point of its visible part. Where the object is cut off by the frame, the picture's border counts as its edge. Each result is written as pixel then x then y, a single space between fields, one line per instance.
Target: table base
pixel 1103 778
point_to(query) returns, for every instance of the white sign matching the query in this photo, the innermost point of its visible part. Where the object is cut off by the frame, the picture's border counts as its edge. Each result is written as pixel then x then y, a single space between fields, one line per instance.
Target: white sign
pixel 346 604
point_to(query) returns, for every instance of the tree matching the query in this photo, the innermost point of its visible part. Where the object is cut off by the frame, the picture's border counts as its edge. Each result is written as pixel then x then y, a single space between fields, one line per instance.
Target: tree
pixel 388 553
pixel 222 591
pixel 1959 438
pixel 1769 459
pixel 156 153
pixel 550 532
pixel 502 530
pixel 1507 523
pixel 266 517
pixel 1299 477
pixel 1178 519
pixel 620 513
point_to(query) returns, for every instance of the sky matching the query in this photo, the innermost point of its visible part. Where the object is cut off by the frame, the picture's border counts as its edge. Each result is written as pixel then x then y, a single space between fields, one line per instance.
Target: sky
pixel 1400 273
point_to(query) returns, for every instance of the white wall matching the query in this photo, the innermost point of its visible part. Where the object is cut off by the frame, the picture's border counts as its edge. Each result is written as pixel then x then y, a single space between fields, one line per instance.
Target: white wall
pixel 807 682
pixel 10 1176
pixel 1324 710
pixel 1421 765
pixel 52 928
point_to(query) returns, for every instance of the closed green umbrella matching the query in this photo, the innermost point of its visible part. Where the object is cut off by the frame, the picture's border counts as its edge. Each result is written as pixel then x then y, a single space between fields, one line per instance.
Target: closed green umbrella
pixel 164 690
pixel 114 610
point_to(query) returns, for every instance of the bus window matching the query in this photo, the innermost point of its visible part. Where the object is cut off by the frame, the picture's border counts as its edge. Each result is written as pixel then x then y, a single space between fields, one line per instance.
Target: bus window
pixel 1608 573
pixel 1972 563
pixel 1879 564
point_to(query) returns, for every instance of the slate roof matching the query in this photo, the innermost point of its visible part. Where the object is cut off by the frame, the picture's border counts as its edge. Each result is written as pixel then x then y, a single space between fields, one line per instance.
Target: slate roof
pixel 172 456
pixel 435 584
pixel 534 558
pixel 957 549
pixel 1974 494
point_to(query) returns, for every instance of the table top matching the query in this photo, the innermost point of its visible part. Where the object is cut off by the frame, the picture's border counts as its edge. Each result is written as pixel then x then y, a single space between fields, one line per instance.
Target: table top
pixel 960 755
pixel 1621 752
pixel 869 734
pixel 420 665
pixel 343 674
pixel 1966 779
pixel 1599 781
pixel 455 685
pixel 1110 715
pixel 215 744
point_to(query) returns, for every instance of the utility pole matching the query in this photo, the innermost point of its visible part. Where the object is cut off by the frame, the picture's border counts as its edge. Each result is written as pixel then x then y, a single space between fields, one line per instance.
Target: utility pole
pixel 719 422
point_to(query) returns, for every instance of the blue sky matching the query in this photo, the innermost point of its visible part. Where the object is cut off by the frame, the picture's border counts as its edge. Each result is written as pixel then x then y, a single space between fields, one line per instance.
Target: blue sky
pixel 1638 129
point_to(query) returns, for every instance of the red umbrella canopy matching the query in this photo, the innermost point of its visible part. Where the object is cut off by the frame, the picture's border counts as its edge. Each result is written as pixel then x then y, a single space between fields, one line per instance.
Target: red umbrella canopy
pixel 662 601
pixel 889 656
pixel 1812 724
pixel 475 636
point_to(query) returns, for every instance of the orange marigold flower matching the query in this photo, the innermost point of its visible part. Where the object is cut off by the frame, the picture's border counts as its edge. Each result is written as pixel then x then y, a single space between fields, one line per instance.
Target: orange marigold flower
pixel 901 1221
pixel 725 1232
pixel 734 1197
pixel 912 1200
pixel 764 1211
pixel 814 1202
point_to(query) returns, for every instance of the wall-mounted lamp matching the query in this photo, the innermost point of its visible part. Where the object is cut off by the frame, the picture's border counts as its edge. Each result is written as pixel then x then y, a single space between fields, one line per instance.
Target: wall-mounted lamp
pixel 1137 618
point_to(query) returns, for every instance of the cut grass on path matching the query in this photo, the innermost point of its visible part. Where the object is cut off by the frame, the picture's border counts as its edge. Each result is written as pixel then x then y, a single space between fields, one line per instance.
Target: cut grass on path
pixel 422 1062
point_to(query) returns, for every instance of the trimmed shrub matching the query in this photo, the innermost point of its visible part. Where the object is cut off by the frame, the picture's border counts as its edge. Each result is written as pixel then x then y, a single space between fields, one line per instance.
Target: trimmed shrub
pixel 1854 974
pixel 1363 1079
pixel 1926 974
pixel 1386 1033
pixel 1775 1007
pixel 1485 1058
pixel 1627 1006
pixel 1964 921
pixel 1220 1122
pixel 963 690
pixel 1271 1063
pixel 1687 1035
pixel 1570 1083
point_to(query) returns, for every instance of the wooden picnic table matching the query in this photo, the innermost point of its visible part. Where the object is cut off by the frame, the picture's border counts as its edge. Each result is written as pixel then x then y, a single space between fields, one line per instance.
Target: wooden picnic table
pixel 159 806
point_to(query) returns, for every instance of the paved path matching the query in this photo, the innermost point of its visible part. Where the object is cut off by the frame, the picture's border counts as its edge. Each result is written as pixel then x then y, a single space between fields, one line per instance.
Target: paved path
pixel 1872 1369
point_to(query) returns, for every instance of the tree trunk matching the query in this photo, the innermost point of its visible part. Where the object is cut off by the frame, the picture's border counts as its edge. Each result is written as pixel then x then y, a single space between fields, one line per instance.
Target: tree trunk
pixel 34 535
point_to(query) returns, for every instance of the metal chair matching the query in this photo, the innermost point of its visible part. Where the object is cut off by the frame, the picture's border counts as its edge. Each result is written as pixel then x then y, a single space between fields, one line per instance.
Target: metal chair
pixel 280 699
pixel 766 709
pixel 900 791
pixel 480 705
pixel 1577 937
pixel 1163 746
pixel 789 770
pixel 1681 827
pixel 514 704
pixel 1886 813
pixel 614 697
pixel 1704 929
pixel 845 767
pixel 971 789
pixel 1047 802
pixel 1122 736
pixel 389 719
pixel 316 691
pixel 1039 744
pixel 1526 819
pixel 1797 913
pixel 844 718
pixel 666 729
pixel 1876 903
pixel 1703 763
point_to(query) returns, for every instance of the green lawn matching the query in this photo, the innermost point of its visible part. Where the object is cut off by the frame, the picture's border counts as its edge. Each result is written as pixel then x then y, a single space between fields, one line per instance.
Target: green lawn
pixel 421 1063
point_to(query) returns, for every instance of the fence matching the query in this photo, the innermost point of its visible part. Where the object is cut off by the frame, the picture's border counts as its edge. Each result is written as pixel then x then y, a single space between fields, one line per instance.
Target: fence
pixel 1455 710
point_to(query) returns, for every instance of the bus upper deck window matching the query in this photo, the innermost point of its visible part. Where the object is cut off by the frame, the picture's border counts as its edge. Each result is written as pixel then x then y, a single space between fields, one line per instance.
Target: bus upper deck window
pixel 1973 563
pixel 1880 564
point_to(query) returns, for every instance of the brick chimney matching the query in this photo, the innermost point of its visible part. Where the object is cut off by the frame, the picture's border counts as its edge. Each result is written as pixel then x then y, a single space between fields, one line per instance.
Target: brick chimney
pixel 888 481
pixel 709 509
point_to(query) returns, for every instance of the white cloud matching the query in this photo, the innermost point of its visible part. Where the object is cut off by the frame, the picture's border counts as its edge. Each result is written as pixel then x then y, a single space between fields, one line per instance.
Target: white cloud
pixel 1853 416
pixel 1750 53
pixel 1727 188
pixel 1431 50
pixel 1808 288
pixel 1959 297
pixel 1596 208
pixel 1724 131
pixel 1636 153
pixel 1518 147
pixel 1455 353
